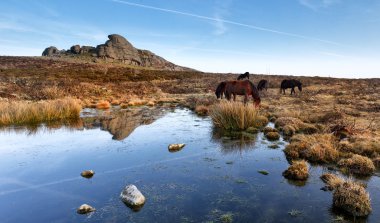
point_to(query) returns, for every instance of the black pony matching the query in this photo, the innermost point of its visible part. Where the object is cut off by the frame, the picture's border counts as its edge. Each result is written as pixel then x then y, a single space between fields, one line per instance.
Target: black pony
pixel 291 83
pixel 263 84
pixel 242 76
pixel 220 90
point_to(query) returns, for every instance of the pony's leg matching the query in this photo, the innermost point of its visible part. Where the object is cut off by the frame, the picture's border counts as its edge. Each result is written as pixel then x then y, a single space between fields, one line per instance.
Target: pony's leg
pixel 291 92
pixel 234 96
pixel 246 98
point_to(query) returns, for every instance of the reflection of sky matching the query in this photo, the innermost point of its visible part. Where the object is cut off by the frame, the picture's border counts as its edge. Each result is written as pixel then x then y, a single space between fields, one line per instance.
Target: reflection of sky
pixel 42 171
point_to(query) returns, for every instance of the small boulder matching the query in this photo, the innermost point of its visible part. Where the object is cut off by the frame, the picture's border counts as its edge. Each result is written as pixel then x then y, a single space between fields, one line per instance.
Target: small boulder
pixel 175 147
pixel 50 51
pixel 75 49
pixel 85 208
pixel 132 197
pixel 87 173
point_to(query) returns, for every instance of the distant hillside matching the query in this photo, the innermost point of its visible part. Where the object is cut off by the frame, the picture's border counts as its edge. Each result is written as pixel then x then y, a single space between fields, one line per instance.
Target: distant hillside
pixel 116 49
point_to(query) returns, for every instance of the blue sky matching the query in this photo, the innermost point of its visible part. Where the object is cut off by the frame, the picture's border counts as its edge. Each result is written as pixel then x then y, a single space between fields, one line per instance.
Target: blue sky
pixel 338 38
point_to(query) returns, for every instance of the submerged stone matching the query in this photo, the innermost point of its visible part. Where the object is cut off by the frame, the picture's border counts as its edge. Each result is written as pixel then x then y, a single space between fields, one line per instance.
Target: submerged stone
pixel 85 208
pixel 132 197
pixel 87 173
pixel 175 147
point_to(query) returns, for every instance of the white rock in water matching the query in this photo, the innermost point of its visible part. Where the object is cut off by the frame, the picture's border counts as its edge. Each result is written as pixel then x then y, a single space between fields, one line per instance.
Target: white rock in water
pixel 132 196
pixel 175 147
pixel 85 208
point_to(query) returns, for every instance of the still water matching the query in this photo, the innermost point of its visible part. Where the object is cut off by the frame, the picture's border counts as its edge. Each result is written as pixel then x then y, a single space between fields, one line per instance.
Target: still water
pixel 212 179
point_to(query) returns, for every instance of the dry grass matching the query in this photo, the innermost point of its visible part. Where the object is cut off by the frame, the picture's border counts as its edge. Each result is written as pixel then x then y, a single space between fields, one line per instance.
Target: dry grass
pixel 103 105
pixel 272 136
pixel 348 196
pixel 297 171
pixel 358 164
pixel 320 148
pixel 235 116
pixel 201 110
pixel 332 180
pixel 352 198
pixel 290 125
pixel 34 112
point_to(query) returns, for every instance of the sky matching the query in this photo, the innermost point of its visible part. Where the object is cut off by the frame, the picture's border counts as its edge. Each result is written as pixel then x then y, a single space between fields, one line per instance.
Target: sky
pixel 332 38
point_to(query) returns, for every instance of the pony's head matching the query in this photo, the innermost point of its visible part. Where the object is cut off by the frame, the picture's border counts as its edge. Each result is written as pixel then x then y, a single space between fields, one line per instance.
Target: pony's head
pixel 257 102
pixel 299 86
pixel 220 89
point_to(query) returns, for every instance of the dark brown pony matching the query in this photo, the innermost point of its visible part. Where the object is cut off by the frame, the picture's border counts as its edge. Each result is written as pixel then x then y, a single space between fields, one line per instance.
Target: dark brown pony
pixel 220 90
pixel 263 84
pixel 245 88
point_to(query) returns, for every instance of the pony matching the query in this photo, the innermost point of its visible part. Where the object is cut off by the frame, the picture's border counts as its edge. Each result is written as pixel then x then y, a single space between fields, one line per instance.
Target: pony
pixel 242 76
pixel 263 84
pixel 290 83
pixel 245 88
pixel 220 90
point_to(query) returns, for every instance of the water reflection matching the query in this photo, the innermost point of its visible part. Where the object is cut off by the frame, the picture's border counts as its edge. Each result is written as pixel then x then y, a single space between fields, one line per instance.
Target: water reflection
pixel 120 123
pixel 233 141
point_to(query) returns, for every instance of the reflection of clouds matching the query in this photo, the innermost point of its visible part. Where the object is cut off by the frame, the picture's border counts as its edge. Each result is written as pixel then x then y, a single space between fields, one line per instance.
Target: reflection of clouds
pixel 34 129
pixel 233 142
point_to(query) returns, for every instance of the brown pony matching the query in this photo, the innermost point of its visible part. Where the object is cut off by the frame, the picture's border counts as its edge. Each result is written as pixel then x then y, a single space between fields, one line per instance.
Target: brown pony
pixel 245 88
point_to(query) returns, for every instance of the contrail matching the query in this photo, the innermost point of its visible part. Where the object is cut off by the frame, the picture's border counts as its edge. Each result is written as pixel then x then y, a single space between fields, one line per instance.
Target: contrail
pixel 226 21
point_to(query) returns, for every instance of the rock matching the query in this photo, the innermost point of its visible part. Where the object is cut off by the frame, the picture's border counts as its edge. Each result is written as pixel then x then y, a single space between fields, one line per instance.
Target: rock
pixel 175 147
pixel 119 49
pixel 132 197
pixel 75 49
pixel 87 173
pixel 88 50
pixel 85 208
pixel 50 51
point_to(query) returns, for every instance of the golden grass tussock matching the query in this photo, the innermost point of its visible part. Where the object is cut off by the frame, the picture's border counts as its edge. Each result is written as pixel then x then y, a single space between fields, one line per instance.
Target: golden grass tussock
pixel 22 112
pixel 269 129
pixel 320 148
pixel 137 102
pixel 290 125
pixel 272 136
pixel 358 164
pixel 115 102
pixel 297 171
pixel 365 147
pixel 103 105
pixel 201 110
pixel 331 180
pixel 352 198
pixel 236 116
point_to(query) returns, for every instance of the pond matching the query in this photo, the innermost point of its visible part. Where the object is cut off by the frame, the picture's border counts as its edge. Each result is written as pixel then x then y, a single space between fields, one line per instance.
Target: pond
pixel 214 178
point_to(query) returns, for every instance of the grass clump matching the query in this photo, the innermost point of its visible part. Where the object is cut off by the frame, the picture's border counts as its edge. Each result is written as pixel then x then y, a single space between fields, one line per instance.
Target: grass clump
pixel 236 116
pixel 352 198
pixel 297 171
pixel 364 146
pixel 290 125
pixel 348 196
pixel 358 164
pixel 272 136
pixel 332 181
pixel 269 129
pixel 321 148
pixel 201 110
pixel 103 105
pixel 22 112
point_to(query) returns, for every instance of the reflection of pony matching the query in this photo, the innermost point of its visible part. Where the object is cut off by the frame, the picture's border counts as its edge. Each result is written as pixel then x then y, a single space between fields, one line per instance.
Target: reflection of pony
pixel 242 76
pixel 263 84
pixel 245 88
pixel 292 83
pixel 220 90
